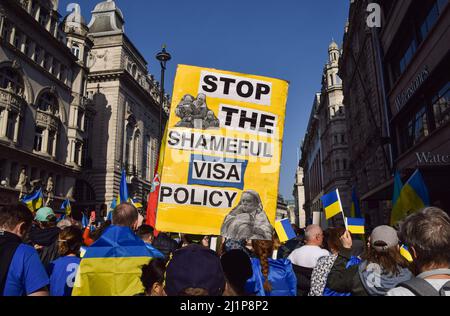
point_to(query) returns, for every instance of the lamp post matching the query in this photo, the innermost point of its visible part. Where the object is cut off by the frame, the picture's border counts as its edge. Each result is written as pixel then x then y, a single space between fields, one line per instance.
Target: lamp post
pixel 163 57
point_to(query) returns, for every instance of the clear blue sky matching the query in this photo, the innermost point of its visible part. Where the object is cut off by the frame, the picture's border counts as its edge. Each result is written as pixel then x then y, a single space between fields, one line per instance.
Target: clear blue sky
pixel 285 39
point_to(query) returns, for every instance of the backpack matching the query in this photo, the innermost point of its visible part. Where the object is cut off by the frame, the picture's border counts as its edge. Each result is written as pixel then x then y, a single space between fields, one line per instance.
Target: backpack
pixel 420 287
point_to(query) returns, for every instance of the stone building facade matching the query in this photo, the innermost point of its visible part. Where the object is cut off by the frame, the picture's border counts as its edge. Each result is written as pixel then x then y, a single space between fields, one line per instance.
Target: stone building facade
pixel 76 105
pixel 299 198
pixel 396 93
pixel 325 157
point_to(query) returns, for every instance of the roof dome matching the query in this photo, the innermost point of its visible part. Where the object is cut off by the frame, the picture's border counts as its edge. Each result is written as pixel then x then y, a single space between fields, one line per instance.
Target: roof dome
pixel 333 45
pixel 108 5
pixel 75 16
pixel 106 18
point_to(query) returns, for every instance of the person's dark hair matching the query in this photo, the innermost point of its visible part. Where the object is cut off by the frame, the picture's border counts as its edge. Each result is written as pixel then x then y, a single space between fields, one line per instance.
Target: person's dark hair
pixel 145 231
pixel 14 214
pixel 125 214
pixel 428 232
pixel 390 260
pixel 297 230
pixel 237 269
pixel 70 240
pixel 51 222
pixel 153 273
pixel 263 250
pixel 194 292
pixel 333 238
pixel 96 234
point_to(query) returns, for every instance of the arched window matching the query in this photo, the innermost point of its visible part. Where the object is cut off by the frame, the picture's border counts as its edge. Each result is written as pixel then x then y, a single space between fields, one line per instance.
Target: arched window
pixel 11 79
pixel 48 102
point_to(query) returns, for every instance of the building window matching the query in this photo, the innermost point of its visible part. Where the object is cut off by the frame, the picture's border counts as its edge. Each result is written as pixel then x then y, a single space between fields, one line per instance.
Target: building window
pixel 77 154
pixel 80 118
pixel 11 125
pixel 48 103
pixel 76 50
pixel 17 39
pixel 11 79
pixel 51 143
pixel 441 106
pixel 43 17
pixel 37 54
pixel 331 80
pixel 414 130
pixel 38 139
pixel 55 67
pixel 6 31
pixel 47 63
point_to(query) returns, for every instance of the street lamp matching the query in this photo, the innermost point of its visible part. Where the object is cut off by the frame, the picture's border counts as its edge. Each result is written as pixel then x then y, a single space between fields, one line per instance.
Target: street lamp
pixel 163 57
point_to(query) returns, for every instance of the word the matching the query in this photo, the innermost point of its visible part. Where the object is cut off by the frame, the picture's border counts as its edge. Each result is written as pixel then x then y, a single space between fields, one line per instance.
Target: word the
pixel 235 88
pixel 247 120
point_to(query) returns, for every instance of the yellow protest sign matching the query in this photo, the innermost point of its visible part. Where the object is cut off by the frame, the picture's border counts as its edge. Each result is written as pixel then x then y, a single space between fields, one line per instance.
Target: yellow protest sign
pixel 222 154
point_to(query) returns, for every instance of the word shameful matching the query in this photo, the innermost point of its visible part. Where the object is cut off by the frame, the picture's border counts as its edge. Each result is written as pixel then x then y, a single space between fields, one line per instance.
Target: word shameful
pixel 184 140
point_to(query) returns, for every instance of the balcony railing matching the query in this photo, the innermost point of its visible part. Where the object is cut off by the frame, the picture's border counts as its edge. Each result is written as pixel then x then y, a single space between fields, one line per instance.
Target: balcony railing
pixel 11 100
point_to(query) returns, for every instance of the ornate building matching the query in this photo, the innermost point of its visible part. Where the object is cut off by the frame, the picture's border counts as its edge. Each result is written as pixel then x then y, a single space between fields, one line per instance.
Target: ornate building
pixel 76 105
pixel 299 198
pixel 325 158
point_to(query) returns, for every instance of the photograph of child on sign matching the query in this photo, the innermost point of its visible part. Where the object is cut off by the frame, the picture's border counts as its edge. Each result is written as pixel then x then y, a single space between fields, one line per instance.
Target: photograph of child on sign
pixel 194 113
pixel 247 220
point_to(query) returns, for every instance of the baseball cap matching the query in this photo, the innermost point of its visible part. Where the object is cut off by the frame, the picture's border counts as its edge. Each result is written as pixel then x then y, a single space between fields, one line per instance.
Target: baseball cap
pixel 43 214
pixel 385 235
pixel 194 266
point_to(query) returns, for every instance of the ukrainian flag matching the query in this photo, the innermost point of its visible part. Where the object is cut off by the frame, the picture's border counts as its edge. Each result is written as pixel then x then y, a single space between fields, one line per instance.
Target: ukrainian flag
pixel 413 197
pixel 136 204
pixel 123 191
pixel 404 251
pixel 284 230
pixel 331 204
pixel 355 209
pixel 356 225
pixel 111 266
pixel 34 201
pixel 66 207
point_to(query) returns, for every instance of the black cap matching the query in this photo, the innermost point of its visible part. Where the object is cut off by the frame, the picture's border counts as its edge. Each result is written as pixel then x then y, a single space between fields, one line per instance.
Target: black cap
pixel 237 267
pixel 194 266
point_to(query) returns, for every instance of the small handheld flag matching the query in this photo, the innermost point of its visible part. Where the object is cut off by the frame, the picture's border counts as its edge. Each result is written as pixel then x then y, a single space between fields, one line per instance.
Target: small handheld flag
pixel 356 225
pixel 66 207
pixel 332 204
pixel 404 251
pixel 123 191
pixel 355 208
pixel 284 230
pixel 34 201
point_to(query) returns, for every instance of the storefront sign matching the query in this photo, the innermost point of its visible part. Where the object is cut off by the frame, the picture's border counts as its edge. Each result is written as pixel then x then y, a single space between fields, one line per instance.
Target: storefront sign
pixel 406 95
pixel 428 158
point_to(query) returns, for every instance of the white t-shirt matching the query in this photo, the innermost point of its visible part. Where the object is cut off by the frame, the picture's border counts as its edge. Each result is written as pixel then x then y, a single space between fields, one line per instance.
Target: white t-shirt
pixel 307 256
pixel 401 291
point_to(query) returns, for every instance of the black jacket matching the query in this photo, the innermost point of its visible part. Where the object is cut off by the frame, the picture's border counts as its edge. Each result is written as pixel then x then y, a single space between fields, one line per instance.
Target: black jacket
pixel 48 239
pixel 303 279
pixel 165 244
pixel 8 246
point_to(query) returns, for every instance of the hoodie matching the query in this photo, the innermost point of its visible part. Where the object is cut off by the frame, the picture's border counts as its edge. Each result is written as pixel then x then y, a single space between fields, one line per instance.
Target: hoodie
pixel 377 282
pixel 48 239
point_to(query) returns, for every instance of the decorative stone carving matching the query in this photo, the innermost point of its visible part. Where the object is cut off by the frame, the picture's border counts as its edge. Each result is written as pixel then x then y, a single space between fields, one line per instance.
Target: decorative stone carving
pixel 49 190
pixel 22 184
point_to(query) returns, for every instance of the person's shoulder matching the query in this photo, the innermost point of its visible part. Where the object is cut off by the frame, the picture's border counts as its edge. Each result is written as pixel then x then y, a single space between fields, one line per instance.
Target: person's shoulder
pixel 26 250
pixel 399 291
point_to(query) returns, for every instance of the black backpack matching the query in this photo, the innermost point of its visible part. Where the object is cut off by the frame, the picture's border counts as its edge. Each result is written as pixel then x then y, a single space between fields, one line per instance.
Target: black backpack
pixel 420 287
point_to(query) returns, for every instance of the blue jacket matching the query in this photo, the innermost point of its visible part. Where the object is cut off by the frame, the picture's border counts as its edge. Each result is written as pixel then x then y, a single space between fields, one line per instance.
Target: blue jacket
pixel 281 277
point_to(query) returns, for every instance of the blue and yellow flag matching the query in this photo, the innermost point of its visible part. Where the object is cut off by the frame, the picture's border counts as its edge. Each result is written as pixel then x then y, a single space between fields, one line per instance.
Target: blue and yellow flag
pixel 66 207
pixel 111 266
pixel 34 201
pixel 355 210
pixel 404 251
pixel 284 230
pixel 136 204
pixel 331 204
pixel 123 191
pixel 413 197
pixel 356 225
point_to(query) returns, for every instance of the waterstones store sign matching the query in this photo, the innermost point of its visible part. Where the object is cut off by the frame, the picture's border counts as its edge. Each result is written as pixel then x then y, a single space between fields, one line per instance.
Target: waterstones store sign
pixel 431 159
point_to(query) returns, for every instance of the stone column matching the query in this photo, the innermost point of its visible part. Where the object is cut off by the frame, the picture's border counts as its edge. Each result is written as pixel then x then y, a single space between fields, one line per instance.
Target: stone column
pixel 55 141
pixel 4 123
pixel 12 35
pixel 16 128
pixel 2 22
pixel 29 6
pixel 45 141
pixel 38 12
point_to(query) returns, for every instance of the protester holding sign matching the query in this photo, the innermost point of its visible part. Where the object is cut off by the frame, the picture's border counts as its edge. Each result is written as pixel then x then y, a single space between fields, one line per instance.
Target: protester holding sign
pixel 222 154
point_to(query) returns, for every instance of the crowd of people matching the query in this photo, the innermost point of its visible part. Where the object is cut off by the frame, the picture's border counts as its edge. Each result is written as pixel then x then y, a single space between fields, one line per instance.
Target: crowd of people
pixel 44 254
